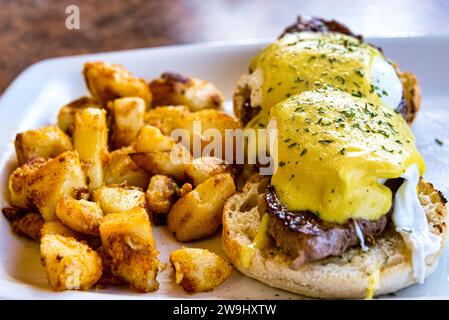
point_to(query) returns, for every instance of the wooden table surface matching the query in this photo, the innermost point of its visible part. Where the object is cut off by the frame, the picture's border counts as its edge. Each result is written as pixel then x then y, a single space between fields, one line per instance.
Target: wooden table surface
pixel 32 30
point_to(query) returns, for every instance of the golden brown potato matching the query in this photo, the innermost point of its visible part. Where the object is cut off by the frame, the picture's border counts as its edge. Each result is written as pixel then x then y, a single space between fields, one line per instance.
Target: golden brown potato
pixel 198 213
pixel 201 169
pixel 128 120
pixel 107 82
pixel 66 115
pixel 90 139
pixel 18 183
pixel 56 227
pixel 151 139
pixel 29 226
pixel 127 238
pixel 45 142
pixel 205 126
pixel 120 168
pixel 176 89
pixel 49 182
pixel 80 215
pixel 162 193
pixel 70 265
pixel 166 118
pixel 107 277
pixel 159 154
pixel 119 199
pixel 199 270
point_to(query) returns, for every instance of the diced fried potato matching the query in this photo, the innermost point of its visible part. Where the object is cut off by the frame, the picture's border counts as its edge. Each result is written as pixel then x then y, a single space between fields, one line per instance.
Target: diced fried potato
pixel 45 185
pixel 29 226
pixel 151 139
pixel 166 118
pixel 45 142
pixel 120 168
pixel 80 215
pixel 160 154
pixel 19 183
pixel 14 213
pixel 128 120
pixel 199 270
pixel 201 169
pixel 107 82
pixel 107 277
pixel 119 199
pixel 56 227
pixel 128 239
pixel 169 163
pixel 70 265
pixel 66 115
pixel 90 139
pixel 198 214
pixel 162 193
pixel 176 89
pixel 204 126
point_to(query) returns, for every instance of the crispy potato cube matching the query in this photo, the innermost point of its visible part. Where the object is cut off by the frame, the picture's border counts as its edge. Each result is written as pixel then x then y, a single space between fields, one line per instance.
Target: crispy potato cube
pixel 107 82
pixel 151 139
pixel 66 115
pixel 18 184
pixel 128 120
pixel 162 193
pixel 90 139
pixel 120 168
pixel 198 213
pixel 51 181
pixel 46 142
pixel 119 199
pixel 199 270
pixel 57 227
pixel 29 226
pixel 127 238
pixel 160 154
pixel 170 163
pixel 176 89
pixel 201 169
pixel 70 265
pixel 80 215
pixel 204 126
pixel 166 118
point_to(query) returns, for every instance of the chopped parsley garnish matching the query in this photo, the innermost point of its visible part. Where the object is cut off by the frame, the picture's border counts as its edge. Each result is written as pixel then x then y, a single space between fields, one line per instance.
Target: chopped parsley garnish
pixel 439 142
pixel 325 141
pixel 294 144
pixel 303 152
pixel 359 72
pixel 342 150
pixel 281 164
pixel 269 89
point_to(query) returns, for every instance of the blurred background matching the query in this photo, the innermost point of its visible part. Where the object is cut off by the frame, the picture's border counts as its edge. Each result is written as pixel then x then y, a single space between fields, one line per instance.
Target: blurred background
pixel 32 30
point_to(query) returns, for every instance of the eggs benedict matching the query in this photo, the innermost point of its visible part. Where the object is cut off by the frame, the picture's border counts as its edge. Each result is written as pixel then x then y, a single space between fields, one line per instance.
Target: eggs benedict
pixel 313 54
pixel 345 213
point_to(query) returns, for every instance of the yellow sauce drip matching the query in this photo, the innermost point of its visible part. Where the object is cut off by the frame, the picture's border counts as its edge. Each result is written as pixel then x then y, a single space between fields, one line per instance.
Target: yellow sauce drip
pixel 373 284
pixel 260 241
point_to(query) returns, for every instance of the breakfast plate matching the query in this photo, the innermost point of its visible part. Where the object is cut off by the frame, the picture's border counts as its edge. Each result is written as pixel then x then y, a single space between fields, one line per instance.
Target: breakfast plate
pixel 35 97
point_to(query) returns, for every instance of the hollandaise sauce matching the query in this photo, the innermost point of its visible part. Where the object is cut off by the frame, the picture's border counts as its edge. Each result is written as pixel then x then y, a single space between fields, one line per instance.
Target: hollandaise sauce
pixel 334 151
pixel 305 61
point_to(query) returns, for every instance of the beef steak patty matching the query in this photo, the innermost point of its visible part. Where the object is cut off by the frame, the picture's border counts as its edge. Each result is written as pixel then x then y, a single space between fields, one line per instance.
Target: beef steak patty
pixel 305 237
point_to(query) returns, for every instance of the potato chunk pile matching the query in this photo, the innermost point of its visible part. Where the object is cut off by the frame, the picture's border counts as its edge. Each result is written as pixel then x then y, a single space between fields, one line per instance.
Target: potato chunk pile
pixel 90 187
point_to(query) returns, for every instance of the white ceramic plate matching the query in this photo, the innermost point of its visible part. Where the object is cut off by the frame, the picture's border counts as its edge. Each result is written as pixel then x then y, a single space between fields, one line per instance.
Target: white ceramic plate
pixel 35 97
